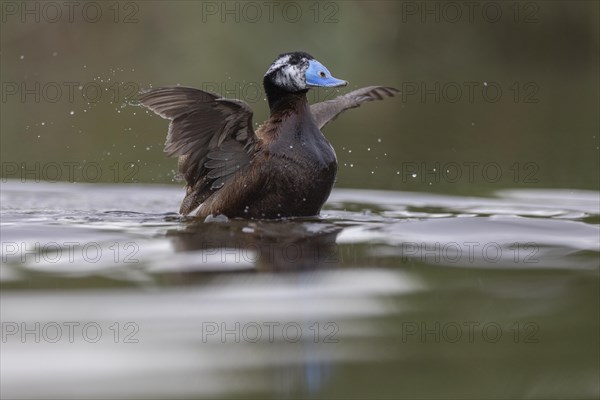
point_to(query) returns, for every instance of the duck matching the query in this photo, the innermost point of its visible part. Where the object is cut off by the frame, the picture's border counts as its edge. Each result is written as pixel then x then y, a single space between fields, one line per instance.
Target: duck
pixel 285 168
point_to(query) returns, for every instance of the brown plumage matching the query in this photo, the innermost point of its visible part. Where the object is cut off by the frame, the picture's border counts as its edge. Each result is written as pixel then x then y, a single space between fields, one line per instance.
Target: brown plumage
pixel 286 168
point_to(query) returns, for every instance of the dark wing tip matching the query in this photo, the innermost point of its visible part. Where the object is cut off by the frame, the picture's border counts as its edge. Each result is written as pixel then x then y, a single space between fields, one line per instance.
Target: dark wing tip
pixel 371 93
pixel 380 92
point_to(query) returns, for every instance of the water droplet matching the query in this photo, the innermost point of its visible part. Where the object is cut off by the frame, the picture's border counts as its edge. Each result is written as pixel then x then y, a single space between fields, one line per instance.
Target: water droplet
pixel 414 175
pixel 378 140
pixel 22 57
pixel 43 123
pixel 71 112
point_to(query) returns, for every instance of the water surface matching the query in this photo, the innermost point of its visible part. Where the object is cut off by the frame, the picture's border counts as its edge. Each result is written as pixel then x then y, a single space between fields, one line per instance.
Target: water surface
pixel 384 293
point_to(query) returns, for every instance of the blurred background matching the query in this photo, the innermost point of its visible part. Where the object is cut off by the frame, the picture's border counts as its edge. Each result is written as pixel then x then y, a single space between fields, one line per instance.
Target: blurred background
pixel 489 215
pixel 494 94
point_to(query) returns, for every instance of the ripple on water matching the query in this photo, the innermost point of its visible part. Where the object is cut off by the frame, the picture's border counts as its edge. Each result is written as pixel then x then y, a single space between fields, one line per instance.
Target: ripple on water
pixel 366 227
pixel 360 283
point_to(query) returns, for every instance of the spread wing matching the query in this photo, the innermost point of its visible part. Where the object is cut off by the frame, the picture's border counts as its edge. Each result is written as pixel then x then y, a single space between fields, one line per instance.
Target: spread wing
pixel 328 110
pixel 212 136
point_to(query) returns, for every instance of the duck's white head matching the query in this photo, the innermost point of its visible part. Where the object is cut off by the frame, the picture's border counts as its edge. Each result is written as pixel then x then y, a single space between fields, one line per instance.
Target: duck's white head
pixel 297 71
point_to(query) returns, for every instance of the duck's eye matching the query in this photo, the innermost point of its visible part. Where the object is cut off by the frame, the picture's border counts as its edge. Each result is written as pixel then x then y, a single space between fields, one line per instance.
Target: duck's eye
pixel 322 74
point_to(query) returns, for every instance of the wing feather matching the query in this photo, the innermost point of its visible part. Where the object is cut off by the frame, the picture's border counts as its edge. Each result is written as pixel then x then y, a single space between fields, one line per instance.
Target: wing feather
pixel 212 136
pixel 327 111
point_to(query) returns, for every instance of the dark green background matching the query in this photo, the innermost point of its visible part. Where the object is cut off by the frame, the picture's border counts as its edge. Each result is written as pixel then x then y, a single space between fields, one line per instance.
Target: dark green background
pixel 546 136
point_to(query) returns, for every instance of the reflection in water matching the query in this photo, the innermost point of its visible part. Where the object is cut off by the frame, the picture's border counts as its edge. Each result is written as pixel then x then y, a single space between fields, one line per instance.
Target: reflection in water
pixel 372 304
pixel 275 246
pixel 269 246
